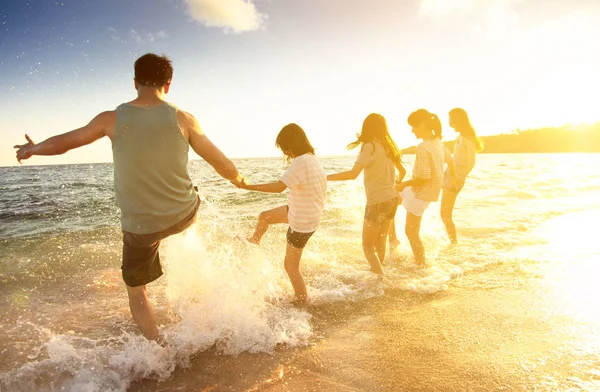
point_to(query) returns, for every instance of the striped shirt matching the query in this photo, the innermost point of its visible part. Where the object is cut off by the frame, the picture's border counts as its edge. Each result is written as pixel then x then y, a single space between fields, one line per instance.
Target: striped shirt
pixel 429 164
pixel 307 183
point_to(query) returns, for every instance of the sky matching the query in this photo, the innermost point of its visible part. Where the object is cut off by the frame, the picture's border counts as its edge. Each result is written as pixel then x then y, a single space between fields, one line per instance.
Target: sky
pixel 246 68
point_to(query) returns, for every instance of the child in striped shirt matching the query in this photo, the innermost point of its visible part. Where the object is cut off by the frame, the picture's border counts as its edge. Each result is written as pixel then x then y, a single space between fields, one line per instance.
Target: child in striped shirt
pixel 308 187
pixel 426 183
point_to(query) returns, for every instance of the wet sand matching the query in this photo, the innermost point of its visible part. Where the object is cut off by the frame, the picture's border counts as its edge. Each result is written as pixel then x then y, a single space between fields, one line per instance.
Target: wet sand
pixel 511 336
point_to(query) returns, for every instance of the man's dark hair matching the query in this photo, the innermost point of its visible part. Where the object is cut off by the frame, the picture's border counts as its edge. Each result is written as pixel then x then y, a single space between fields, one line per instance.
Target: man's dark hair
pixel 153 70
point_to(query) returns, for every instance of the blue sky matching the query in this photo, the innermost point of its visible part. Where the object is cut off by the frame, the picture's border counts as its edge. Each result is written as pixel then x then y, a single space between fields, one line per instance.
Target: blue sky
pixel 245 69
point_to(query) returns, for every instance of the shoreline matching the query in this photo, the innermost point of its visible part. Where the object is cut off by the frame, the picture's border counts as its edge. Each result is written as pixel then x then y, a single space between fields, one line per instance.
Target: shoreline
pixel 461 339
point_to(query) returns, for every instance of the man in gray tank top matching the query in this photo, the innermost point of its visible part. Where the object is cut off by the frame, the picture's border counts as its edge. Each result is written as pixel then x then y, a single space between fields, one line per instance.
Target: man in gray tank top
pixel 150 143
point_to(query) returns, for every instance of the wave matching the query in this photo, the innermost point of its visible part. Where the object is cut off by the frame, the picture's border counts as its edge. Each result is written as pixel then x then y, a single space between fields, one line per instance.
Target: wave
pixel 233 298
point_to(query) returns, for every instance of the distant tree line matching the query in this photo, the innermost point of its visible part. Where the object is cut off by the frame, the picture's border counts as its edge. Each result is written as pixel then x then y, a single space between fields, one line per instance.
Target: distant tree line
pixel 568 138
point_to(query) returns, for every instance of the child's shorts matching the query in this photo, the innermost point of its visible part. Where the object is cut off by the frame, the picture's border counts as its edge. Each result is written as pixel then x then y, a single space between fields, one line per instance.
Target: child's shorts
pixel 379 212
pixel 411 203
pixel 296 239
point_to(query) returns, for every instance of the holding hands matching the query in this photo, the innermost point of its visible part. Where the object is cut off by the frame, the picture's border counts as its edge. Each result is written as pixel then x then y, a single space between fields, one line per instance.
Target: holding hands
pixel 240 182
pixel 400 186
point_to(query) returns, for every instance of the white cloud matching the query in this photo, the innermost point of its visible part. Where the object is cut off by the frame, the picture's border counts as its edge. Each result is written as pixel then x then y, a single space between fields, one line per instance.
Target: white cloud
pixel 136 36
pixel 231 15
pixel 494 18
pixel 160 34
pixel 444 7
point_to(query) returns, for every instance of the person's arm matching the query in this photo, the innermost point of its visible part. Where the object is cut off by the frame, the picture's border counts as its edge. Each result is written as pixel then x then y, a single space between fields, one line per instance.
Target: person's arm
pixel 273 187
pixel 361 162
pixel 414 182
pixel 347 175
pixel 401 170
pixel 422 171
pixel 60 144
pixel 207 150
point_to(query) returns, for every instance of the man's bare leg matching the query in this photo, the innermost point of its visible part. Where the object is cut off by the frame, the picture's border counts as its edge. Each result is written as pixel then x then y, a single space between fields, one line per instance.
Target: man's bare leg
pixel 266 218
pixel 142 311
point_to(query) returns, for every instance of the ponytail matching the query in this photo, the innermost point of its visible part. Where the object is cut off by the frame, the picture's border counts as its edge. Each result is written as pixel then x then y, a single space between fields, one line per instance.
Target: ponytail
pixel 432 121
pixel 436 125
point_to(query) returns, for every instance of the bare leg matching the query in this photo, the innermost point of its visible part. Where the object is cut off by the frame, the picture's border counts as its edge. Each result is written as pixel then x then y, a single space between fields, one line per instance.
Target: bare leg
pixel 369 237
pixel 393 237
pixel 292 267
pixel 142 311
pixel 380 241
pixel 413 226
pixel 266 218
pixel 447 206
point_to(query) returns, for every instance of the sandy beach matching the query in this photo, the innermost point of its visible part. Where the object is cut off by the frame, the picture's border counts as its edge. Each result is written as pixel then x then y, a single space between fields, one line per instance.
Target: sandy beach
pixel 486 339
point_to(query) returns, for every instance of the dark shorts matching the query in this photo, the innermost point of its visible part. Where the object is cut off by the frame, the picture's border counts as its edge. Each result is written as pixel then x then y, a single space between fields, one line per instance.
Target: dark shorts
pixel 141 260
pixel 298 240
pixel 379 212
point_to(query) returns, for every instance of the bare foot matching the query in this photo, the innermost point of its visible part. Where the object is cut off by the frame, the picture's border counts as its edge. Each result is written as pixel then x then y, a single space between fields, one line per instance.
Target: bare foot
pixel 380 272
pixel 246 240
pixel 421 263
pixel 394 243
pixel 299 302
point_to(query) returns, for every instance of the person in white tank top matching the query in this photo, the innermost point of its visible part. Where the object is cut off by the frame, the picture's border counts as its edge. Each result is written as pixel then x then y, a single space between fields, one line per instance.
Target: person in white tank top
pixel 465 151
pixel 307 183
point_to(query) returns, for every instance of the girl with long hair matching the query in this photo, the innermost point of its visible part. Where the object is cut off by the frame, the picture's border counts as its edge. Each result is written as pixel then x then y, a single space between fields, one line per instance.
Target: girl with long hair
pixel 426 183
pixel 466 147
pixel 307 183
pixel 379 158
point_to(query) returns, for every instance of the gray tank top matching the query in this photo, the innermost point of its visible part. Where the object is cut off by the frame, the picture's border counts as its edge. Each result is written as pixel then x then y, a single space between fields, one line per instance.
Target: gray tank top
pixel 150 154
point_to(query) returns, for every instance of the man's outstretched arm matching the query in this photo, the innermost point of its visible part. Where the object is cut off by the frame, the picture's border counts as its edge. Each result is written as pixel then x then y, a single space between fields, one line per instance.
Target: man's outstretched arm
pixel 60 144
pixel 207 150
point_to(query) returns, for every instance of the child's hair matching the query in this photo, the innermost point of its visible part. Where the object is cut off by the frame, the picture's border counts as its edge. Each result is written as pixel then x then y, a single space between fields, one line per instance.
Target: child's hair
pixel 292 141
pixel 432 121
pixel 375 129
pixel 463 126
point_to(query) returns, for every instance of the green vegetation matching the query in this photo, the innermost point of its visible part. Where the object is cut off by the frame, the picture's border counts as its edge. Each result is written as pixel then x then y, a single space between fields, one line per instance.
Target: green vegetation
pixel 569 138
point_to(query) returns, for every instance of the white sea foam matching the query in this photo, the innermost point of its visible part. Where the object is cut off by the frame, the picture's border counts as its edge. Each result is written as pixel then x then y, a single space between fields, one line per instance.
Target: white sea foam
pixel 227 295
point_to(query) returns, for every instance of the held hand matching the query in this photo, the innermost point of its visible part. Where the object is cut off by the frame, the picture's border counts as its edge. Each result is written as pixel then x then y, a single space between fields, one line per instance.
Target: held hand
pixel 240 182
pixel 400 186
pixel 24 150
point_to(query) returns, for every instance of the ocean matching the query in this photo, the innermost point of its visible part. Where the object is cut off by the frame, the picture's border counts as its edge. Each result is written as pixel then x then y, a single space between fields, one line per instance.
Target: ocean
pixel 513 306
